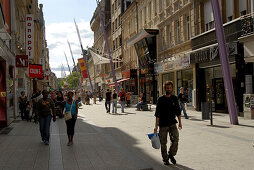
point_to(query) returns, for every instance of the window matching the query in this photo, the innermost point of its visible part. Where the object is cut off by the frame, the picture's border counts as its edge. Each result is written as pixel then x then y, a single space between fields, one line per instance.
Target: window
pixel 178 32
pixel 120 40
pixel 155 7
pixel 116 23
pixel 209 20
pixel 145 15
pixel 150 10
pixel 229 9
pixel 170 35
pixel 161 4
pixel 242 7
pixel 162 40
pixel 188 27
pixel 169 2
pixel 141 21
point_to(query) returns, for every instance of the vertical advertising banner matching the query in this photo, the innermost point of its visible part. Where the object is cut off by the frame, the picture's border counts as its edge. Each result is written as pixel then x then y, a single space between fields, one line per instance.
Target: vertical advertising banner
pixel 82 66
pixel 30 36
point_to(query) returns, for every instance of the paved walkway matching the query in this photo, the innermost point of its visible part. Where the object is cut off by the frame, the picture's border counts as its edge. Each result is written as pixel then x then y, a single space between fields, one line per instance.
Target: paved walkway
pixel 118 142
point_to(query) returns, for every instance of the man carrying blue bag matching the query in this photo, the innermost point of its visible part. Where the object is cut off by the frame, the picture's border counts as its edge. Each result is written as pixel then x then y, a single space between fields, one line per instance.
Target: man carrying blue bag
pixel 166 111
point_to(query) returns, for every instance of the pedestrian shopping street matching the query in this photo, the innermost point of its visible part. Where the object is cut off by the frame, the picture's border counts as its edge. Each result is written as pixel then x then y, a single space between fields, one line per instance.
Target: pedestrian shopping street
pixel 119 142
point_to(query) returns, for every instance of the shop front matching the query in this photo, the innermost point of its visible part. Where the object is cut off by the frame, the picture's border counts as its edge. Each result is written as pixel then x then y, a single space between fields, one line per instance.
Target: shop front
pixel 210 78
pixel 180 72
pixel 145 46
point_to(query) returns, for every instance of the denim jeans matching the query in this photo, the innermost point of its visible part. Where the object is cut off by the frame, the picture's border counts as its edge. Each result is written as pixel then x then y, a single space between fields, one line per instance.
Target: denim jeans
pixel 107 105
pixel 139 105
pixel 182 106
pixel 114 105
pixel 122 105
pixel 45 127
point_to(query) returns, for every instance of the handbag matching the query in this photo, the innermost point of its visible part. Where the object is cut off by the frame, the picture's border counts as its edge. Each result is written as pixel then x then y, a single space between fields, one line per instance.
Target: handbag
pixel 67 115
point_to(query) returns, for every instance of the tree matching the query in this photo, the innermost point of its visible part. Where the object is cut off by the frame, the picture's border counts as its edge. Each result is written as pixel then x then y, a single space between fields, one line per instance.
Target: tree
pixel 75 79
pixel 60 83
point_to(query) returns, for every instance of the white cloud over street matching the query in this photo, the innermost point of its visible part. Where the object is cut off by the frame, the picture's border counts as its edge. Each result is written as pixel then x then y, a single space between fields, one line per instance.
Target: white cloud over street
pixel 57 35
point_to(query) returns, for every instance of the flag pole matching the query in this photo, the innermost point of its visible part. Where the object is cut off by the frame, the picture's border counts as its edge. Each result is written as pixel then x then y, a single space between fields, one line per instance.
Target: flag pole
pixel 227 77
pixel 69 69
pixel 74 64
pixel 83 55
pixel 108 48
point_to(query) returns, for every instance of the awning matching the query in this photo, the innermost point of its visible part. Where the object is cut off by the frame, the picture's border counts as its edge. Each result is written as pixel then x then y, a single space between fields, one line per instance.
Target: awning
pixel 98 59
pixel 143 34
pixel 118 81
pixel 113 85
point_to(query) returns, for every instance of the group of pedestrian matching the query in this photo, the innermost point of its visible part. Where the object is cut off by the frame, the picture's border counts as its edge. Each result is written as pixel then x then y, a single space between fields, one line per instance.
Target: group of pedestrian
pixel 44 110
pixel 112 98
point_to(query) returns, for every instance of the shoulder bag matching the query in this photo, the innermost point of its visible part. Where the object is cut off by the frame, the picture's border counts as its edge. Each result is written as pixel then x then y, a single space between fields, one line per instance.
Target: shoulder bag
pixel 67 115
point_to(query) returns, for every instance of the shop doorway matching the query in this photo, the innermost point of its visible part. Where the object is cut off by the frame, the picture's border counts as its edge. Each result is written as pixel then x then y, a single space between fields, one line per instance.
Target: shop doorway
pixel 219 94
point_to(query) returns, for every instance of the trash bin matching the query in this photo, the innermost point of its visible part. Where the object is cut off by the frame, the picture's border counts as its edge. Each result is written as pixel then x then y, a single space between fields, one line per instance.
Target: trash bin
pixel 206 108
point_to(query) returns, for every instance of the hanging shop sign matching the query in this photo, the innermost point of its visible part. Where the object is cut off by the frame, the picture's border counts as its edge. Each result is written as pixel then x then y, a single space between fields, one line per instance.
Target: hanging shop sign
pixel 30 36
pixel 21 61
pixel 176 63
pixel 82 66
pixel 35 71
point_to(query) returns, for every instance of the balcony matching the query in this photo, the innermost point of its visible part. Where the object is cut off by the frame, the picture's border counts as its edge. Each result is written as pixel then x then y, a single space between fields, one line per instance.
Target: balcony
pixel 247 27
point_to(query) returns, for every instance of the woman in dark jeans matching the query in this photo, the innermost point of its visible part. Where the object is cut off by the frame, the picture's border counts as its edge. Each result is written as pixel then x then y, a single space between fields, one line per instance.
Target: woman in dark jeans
pixel 74 112
pixel 22 105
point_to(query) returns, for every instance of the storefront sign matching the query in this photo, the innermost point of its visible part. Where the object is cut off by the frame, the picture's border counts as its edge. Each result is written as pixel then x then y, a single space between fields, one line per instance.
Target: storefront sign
pixel 2 94
pixel 35 71
pixel 209 54
pixel 177 63
pixel 30 36
pixel 126 74
pixel 21 61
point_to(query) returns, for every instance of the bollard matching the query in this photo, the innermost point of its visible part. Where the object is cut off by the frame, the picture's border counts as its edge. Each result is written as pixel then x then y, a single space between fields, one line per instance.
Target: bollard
pixel 211 113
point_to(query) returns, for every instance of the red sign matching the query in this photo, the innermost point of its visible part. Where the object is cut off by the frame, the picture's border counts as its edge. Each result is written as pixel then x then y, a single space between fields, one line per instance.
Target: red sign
pixel 126 74
pixel 35 71
pixel 21 61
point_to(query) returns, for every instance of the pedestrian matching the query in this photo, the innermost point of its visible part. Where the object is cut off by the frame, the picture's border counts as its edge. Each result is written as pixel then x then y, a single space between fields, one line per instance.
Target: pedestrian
pixel 141 101
pixel 122 96
pixel 183 101
pixel 114 102
pixel 36 96
pixel 45 111
pixel 87 98
pixel 108 101
pixel 59 103
pixel 71 105
pixel 128 98
pixel 23 101
pixel 166 111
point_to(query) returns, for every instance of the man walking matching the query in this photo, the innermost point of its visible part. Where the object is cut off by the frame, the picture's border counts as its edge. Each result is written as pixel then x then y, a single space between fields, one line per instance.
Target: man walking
pixel 122 96
pixel 183 100
pixel 44 111
pixel 166 111
pixel 108 101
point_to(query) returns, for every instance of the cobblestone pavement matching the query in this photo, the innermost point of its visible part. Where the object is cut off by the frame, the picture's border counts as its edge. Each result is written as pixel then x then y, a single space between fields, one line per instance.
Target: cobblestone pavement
pixel 119 142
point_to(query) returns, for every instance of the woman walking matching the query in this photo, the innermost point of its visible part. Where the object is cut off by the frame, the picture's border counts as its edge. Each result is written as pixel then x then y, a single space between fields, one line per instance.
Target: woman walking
pixel 71 105
pixel 22 105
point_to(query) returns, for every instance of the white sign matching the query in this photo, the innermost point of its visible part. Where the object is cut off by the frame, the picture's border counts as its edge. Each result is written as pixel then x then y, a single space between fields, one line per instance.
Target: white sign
pixel 30 36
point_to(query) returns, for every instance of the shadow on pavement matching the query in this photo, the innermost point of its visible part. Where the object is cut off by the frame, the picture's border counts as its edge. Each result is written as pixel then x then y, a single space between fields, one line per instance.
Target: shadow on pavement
pixel 218 126
pixel 246 125
pixel 107 148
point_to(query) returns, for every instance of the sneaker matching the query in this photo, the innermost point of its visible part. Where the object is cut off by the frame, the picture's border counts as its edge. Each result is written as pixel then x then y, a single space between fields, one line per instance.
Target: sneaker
pixel 46 142
pixel 172 159
pixel 166 162
pixel 187 117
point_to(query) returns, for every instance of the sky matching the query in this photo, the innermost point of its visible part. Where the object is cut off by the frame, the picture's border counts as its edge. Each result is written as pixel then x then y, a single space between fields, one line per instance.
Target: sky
pixel 59 18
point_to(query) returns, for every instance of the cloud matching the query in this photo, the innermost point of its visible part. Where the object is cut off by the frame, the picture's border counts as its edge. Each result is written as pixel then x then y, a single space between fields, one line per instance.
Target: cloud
pixel 57 35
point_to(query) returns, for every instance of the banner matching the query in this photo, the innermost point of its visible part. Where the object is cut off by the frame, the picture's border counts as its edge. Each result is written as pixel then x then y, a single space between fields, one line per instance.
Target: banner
pixel 30 36
pixel 21 61
pixel 35 71
pixel 82 66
